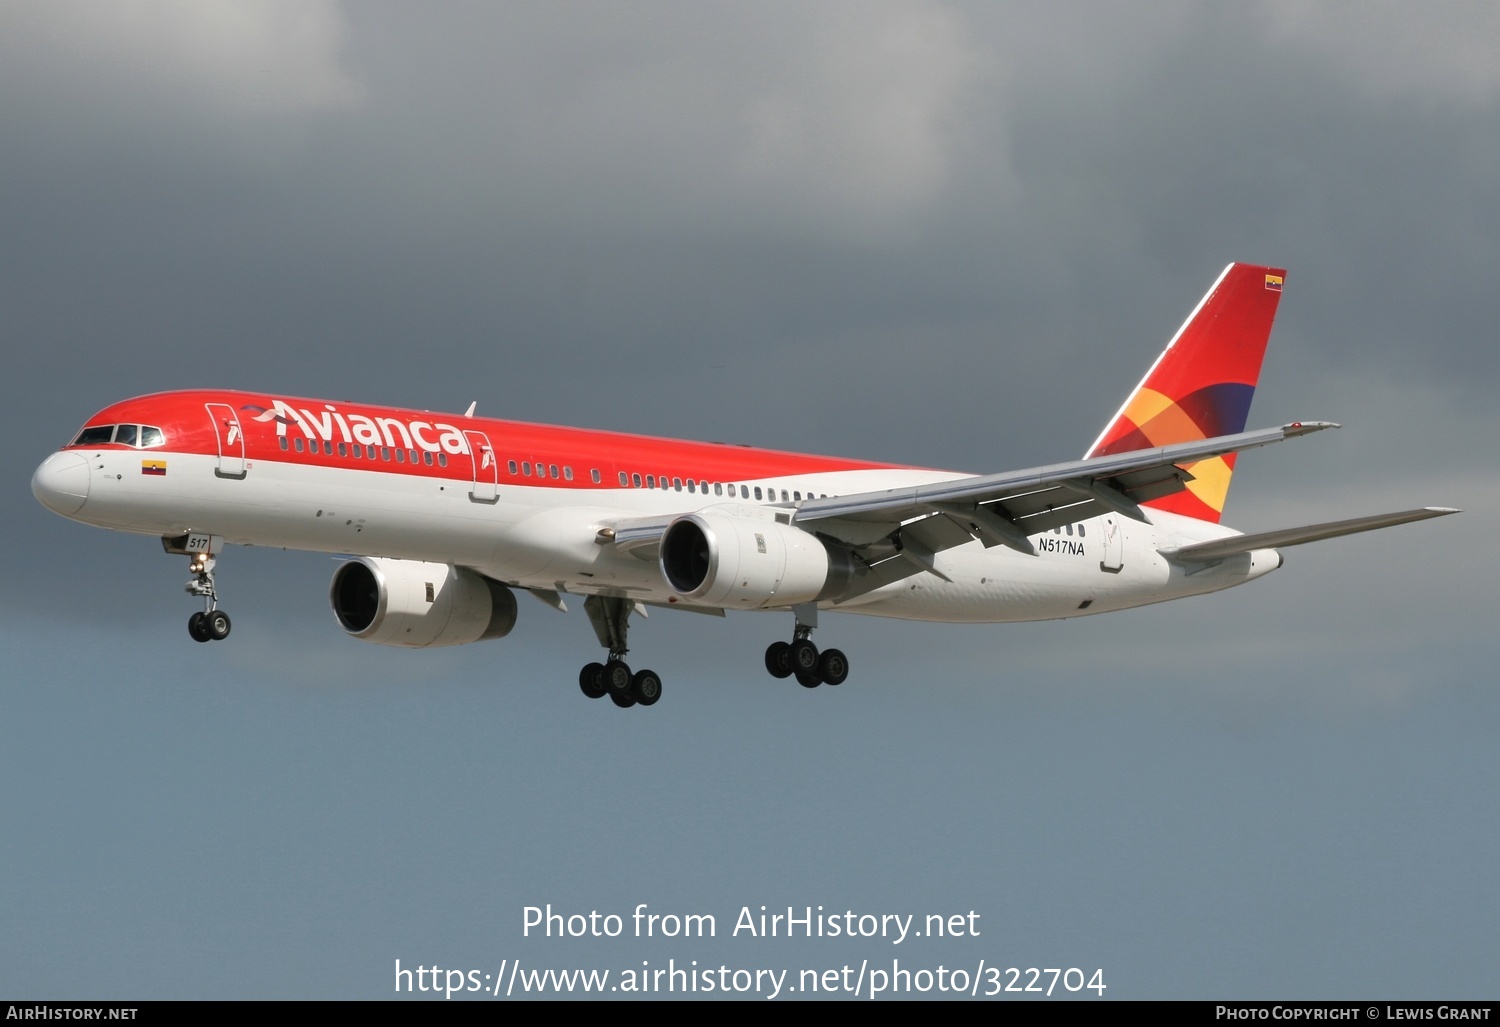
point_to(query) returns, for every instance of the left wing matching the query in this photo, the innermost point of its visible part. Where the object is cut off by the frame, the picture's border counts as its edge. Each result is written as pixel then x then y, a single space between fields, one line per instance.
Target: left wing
pixel 996 509
pixel 1003 509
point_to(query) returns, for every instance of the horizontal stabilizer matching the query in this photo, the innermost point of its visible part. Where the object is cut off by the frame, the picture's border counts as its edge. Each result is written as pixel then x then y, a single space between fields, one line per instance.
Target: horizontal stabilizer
pixel 1218 549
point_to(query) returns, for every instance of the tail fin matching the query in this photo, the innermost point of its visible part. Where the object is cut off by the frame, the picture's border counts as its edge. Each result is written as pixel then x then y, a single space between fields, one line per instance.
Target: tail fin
pixel 1202 384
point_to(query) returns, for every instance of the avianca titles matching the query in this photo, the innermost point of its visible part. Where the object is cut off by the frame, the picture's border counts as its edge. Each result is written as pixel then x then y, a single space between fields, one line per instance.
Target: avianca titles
pixel 447 516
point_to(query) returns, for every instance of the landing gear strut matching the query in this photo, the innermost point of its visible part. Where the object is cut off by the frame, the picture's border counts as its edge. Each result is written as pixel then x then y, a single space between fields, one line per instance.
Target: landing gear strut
pixel 800 657
pixel 212 624
pixel 610 615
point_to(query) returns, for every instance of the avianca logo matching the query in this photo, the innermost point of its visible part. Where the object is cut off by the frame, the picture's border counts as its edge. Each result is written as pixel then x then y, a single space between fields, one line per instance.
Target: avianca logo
pixel 330 422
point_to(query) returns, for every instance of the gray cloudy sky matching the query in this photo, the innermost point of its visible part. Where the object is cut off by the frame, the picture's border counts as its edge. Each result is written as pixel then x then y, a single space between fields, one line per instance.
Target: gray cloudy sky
pixel 952 234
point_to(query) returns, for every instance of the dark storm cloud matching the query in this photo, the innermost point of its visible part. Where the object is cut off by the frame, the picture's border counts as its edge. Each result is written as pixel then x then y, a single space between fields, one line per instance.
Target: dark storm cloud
pixel 951 234
pixel 946 235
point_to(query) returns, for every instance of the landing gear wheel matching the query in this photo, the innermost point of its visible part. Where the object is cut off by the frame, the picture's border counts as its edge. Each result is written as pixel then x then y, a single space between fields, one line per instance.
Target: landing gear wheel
pixel 624 699
pixel 196 629
pixel 216 625
pixel 645 687
pixel 591 680
pixel 833 667
pixel 779 659
pixel 616 678
pixel 804 657
pixel 808 679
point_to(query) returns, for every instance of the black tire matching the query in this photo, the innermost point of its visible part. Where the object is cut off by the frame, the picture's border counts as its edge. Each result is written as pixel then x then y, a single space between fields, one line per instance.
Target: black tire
pixel 833 667
pixel 804 656
pixel 779 659
pixel 645 687
pixel 216 625
pixel 624 699
pixel 591 680
pixel 196 629
pixel 808 679
pixel 617 677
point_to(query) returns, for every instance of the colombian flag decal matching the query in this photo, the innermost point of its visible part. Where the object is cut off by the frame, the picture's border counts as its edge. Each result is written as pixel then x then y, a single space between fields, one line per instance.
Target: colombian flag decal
pixel 153 467
pixel 1273 282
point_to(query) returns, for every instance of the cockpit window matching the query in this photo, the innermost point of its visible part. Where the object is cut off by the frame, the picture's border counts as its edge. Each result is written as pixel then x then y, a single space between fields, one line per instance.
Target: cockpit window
pixel 141 436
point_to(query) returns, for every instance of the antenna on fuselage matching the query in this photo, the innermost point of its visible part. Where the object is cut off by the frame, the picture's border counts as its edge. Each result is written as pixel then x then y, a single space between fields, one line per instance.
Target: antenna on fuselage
pixel 470 412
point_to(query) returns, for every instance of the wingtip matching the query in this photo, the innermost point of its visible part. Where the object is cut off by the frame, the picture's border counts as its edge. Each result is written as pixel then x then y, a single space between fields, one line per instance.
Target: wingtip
pixel 1307 427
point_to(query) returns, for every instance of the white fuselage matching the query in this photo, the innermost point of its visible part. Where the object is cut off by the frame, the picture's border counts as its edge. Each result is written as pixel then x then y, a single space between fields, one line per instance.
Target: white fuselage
pixel 537 537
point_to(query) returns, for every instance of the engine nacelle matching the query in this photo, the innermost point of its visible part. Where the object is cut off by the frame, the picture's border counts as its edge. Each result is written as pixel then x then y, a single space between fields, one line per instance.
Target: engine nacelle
pixel 407 603
pixel 743 561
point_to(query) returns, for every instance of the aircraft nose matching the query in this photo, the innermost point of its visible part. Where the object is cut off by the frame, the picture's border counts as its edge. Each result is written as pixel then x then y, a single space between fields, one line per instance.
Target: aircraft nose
pixel 61 483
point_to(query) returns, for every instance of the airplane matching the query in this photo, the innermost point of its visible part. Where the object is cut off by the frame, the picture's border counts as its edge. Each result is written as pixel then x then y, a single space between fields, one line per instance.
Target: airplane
pixel 444 518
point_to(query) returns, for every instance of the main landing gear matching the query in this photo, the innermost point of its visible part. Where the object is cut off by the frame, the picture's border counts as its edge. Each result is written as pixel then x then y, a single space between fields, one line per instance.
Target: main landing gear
pixel 800 658
pixel 609 616
pixel 212 624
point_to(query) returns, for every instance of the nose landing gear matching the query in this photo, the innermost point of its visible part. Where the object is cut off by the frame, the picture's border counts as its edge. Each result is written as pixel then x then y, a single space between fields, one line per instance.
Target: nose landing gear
pixel 212 623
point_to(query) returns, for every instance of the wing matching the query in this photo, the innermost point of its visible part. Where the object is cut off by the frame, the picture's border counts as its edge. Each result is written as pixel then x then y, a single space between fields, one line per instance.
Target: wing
pixel 1003 509
pixel 913 524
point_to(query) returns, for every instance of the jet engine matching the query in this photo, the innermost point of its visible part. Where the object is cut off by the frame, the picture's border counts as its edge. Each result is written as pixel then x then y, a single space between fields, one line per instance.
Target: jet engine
pixel 726 559
pixel 407 603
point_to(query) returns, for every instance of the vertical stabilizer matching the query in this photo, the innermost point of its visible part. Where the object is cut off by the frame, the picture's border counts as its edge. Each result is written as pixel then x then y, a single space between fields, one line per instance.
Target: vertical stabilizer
pixel 1202 384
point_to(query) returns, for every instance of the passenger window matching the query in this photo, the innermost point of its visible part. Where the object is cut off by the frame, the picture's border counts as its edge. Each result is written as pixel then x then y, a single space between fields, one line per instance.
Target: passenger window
pixel 624 479
pixel 552 470
pixel 400 456
pixel 385 454
pixel 369 452
pixel 512 466
pixel 718 488
pixel 284 443
pixel 411 456
pixel 297 445
pixel 526 468
pixel 1070 531
pixel 567 473
pixel 677 484
pixel 690 485
pixel 635 479
pixel 783 495
pixel 151 436
pixel 427 459
pixel 356 451
pixel 744 491
pixel 650 481
pixel 594 474
pixel 442 459
pixel 343 449
pixel 328 446
pixel 797 495
pixel 757 492
pixel 1080 531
